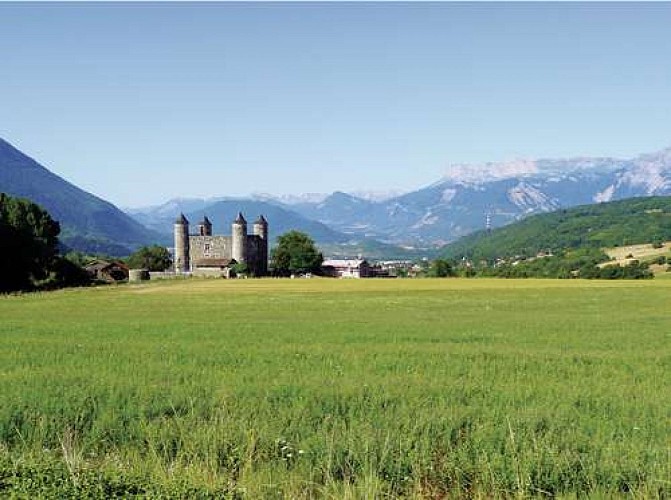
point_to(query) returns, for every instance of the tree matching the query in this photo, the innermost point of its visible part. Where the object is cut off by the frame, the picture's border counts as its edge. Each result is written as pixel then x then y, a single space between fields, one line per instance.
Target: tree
pixel 440 268
pixel 67 273
pixel 153 258
pixel 28 244
pixel 296 253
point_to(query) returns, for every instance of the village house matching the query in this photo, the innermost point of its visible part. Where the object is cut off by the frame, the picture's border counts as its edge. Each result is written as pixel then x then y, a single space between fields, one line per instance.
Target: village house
pixel 394 268
pixel 347 268
pixel 109 271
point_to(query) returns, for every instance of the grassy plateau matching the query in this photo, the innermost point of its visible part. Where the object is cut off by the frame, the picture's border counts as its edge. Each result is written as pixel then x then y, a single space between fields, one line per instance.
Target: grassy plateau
pixel 339 389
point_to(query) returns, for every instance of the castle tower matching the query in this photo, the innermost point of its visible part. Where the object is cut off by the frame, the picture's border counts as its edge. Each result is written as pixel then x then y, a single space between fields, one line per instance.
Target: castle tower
pixel 205 227
pixel 182 263
pixel 261 230
pixel 239 239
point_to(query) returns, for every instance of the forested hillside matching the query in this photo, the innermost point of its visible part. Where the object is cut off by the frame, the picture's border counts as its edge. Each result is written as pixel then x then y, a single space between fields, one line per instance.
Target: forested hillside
pixel 618 223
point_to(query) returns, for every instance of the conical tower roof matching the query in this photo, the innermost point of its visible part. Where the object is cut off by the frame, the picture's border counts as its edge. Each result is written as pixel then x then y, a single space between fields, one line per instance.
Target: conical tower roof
pixel 181 219
pixel 240 219
pixel 261 220
pixel 205 221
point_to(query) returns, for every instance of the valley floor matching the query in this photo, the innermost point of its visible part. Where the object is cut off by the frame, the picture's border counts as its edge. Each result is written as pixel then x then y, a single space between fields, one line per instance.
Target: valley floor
pixel 339 389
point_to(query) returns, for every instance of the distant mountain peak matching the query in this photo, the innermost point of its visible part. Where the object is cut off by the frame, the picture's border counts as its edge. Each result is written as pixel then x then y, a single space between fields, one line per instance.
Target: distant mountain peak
pixel 478 173
pixel 661 157
pixel 290 199
pixel 341 195
pixel 487 172
pixel 378 195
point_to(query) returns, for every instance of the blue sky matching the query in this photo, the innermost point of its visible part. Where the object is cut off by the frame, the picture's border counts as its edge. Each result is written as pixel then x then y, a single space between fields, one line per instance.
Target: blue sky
pixel 139 103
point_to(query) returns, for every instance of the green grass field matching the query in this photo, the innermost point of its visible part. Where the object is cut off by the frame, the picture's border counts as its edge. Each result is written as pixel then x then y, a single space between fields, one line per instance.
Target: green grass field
pixel 338 389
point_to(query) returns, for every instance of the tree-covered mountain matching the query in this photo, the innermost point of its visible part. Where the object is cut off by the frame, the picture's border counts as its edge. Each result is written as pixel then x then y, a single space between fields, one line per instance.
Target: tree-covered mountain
pixel 88 223
pixel 616 223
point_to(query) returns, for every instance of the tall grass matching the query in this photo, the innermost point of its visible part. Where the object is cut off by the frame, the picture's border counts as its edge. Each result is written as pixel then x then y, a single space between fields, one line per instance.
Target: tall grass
pixel 320 388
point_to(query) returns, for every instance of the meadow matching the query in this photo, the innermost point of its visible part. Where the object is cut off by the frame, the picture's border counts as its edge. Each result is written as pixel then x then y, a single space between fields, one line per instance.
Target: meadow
pixel 338 389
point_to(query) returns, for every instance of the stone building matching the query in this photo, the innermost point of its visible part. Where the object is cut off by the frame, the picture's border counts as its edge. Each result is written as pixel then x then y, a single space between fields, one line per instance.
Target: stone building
pixel 109 271
pixel 204 251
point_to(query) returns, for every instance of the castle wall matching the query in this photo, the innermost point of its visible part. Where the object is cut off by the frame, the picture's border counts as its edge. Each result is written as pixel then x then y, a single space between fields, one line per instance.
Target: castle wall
pixel 252 254
pixel 257 255
pixel 210 247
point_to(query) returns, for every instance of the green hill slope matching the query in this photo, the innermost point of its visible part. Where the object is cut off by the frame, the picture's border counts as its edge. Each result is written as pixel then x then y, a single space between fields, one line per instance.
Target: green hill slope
pixel 618 223
pixel 88 223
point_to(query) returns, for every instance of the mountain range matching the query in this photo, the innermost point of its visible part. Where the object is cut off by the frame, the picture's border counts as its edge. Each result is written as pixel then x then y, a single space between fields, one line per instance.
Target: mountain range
pixel 93 225
pixel 472 196
pixel 497 193
pixel 468 199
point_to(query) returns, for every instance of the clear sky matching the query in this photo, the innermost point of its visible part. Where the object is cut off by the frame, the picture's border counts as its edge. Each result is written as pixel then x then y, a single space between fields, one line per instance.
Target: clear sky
pixel 139 103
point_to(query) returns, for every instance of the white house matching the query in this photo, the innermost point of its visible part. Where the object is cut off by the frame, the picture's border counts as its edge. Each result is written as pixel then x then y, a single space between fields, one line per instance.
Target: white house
pixel 347 268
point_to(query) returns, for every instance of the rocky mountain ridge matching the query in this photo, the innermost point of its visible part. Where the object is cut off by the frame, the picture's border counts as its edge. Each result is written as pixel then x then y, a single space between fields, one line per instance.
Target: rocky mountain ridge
pixel 470 197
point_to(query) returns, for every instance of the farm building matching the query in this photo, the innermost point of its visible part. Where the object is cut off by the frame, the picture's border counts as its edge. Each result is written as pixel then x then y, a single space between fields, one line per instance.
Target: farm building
pixel 109 271
pixel 347 268
pixel 220 267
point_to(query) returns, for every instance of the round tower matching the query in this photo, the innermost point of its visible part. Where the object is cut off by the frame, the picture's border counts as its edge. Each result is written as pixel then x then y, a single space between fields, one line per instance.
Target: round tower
pixel 261 227
pixel 239 239
pixel 182 263
pixel 261 230
pixel 205 227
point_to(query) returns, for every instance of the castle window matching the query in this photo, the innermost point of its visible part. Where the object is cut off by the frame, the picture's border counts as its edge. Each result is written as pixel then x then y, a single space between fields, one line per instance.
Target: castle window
pixel 206 249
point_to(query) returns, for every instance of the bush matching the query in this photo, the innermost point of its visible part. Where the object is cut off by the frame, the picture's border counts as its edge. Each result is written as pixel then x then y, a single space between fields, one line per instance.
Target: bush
pixel 240 269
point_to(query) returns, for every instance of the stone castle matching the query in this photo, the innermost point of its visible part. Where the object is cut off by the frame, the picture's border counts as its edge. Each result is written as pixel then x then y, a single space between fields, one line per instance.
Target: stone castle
pixel 204 251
